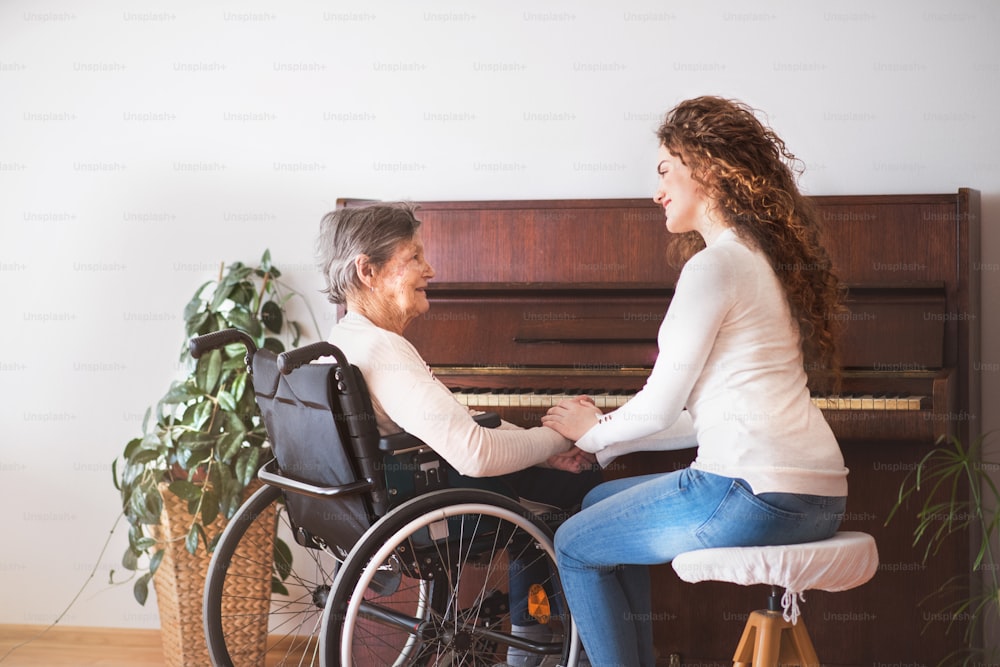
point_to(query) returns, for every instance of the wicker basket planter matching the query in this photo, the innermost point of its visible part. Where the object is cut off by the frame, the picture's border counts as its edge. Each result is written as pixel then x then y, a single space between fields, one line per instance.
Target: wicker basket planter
pixel 180 586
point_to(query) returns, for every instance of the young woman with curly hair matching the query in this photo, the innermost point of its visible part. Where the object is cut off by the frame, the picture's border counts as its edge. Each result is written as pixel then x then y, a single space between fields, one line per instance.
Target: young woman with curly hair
pixel 755 306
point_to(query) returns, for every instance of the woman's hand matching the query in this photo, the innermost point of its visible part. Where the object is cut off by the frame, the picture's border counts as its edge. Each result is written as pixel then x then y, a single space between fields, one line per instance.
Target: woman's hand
pixel 573 460
pixel 572 417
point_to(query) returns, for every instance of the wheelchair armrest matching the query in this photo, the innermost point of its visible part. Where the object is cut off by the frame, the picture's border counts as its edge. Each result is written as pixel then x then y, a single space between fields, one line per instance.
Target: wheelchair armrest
pixel 488 419
pixel 395 442
pixel 269 474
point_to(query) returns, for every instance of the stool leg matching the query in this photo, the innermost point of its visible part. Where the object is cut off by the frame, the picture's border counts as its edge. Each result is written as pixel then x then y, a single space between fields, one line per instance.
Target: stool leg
pixel 803 645
pixel 760 644
pixel 744 650
pixel 769 640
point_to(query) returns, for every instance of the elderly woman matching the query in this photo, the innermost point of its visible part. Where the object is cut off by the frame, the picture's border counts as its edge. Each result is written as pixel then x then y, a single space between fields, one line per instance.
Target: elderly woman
pixel 373 261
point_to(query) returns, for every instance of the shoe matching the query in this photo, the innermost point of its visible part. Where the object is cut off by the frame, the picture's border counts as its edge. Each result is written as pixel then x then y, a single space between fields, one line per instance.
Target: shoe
pixel 517 657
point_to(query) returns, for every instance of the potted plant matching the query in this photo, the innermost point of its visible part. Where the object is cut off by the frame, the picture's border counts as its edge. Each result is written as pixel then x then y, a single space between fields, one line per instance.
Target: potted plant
pixel 958 499
pixel 201 445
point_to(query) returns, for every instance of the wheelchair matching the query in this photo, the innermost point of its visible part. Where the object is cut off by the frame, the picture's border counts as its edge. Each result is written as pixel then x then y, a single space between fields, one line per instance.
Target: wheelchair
pixel 389 564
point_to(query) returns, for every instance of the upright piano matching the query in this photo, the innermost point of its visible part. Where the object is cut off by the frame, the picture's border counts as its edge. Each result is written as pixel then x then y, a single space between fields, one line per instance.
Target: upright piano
pixel 537 300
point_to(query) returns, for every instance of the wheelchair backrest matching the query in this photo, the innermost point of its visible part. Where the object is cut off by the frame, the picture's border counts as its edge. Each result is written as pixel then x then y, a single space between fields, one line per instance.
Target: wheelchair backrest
pixel 315 443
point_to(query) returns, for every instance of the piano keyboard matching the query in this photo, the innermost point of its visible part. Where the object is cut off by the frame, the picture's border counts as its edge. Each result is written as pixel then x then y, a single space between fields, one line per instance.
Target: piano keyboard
pixel 487 398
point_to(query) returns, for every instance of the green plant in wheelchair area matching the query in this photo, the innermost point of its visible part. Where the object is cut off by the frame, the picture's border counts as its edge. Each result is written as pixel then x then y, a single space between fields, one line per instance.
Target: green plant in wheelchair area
pixel 205 438
pixel 959 498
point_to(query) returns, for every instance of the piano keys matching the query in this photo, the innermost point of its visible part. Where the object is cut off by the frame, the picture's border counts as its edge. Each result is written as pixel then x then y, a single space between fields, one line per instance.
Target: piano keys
pixel 537 300
pixel 905 407
pixel 513 398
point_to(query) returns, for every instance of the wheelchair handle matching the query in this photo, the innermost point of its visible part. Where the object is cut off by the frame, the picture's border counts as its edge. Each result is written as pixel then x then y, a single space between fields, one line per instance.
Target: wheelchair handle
pixel 292 359
pixel 199 345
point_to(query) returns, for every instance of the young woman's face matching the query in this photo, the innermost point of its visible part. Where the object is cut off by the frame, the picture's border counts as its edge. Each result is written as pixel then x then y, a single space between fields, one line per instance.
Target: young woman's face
pixel 682 198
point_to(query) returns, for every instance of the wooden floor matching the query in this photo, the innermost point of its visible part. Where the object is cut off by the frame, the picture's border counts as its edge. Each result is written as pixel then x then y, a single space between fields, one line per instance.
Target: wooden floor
pixel 84 647
pixel 79 647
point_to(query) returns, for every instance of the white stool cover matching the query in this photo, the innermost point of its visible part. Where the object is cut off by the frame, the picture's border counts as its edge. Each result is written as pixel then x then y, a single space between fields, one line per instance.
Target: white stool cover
pixel 846 560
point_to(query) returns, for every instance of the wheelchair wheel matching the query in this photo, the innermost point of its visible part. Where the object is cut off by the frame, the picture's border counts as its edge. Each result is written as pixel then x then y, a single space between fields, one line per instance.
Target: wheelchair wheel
pixel 261 606
pixel 428 584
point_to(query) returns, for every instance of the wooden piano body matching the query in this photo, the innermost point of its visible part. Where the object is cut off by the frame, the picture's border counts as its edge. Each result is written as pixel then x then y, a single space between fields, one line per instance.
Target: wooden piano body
pixel 537 299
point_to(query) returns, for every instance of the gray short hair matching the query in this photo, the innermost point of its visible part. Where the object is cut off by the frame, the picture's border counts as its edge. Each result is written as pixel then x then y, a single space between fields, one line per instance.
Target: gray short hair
pixel 375 230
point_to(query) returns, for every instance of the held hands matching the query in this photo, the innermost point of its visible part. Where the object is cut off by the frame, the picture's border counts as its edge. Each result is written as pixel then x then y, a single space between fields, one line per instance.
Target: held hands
pixel 573 417
pixel 573 460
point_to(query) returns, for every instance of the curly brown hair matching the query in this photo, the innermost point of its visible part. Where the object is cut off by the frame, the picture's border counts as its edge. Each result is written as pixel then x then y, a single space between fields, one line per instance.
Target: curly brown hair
pixel 750 177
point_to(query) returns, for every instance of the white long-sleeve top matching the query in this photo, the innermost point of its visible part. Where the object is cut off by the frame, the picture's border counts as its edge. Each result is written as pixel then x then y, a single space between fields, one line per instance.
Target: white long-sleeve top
pixel 407 397
pixel 729 352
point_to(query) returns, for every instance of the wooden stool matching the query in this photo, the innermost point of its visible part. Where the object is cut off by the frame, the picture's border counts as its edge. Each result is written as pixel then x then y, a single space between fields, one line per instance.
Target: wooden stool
pixel 774 635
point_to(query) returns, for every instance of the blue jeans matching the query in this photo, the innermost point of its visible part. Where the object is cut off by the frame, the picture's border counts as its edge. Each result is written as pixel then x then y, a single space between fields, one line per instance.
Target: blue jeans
pixel 627 524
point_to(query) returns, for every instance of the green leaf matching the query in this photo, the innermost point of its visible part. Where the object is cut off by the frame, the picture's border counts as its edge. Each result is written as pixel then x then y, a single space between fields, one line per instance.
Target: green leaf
pixel 272 317
pixel 190 454
pixel 145 419
pixel 208 370
pixel 230 491
pixel 226 400
pixel 185 490
pixel 145 542
pixel 145 504
pixel 209 506
pixel 180 392
pixel 130 449
pixel 228 446
pixel 150 441
pixel 145 456
pixel 141 588
pixel 256 329
pixel 244 294
pixel 277 587
pixel 235 422
pixel 155 560
pixel 241 318
pixel 130 561
pixel 282 559
pixel 198 416
pixel 274 345
pixel 191 540
pixel 193 306
pixel 221 294
pixel 246 465
pixel 239 386
pixel 236 357
pixel 197 324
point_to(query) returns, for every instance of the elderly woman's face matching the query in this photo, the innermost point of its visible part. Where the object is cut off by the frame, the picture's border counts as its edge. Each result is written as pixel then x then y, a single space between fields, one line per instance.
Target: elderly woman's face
pixel 400 284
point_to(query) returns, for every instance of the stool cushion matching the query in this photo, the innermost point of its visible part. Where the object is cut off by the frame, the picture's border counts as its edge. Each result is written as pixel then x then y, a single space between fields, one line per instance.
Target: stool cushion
pixel 846 560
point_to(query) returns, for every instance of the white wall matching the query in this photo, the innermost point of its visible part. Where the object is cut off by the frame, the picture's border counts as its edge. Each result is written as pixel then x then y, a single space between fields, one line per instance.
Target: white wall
pixel 141 144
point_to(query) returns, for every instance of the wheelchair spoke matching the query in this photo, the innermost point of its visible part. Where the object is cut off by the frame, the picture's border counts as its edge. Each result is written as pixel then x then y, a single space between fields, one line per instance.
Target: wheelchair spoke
pixel 463 557
pixel 250 621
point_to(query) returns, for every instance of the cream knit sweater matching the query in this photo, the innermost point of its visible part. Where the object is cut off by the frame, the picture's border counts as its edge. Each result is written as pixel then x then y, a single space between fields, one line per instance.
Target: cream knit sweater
pixel 407 397
pixel 729 352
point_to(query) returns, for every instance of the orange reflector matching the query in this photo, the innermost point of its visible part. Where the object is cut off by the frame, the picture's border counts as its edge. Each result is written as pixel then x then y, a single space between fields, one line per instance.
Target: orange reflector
pixel 538 604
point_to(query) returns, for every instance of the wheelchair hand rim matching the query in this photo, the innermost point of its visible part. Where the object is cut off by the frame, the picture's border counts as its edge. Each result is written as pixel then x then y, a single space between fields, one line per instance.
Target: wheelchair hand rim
pixel 441 514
